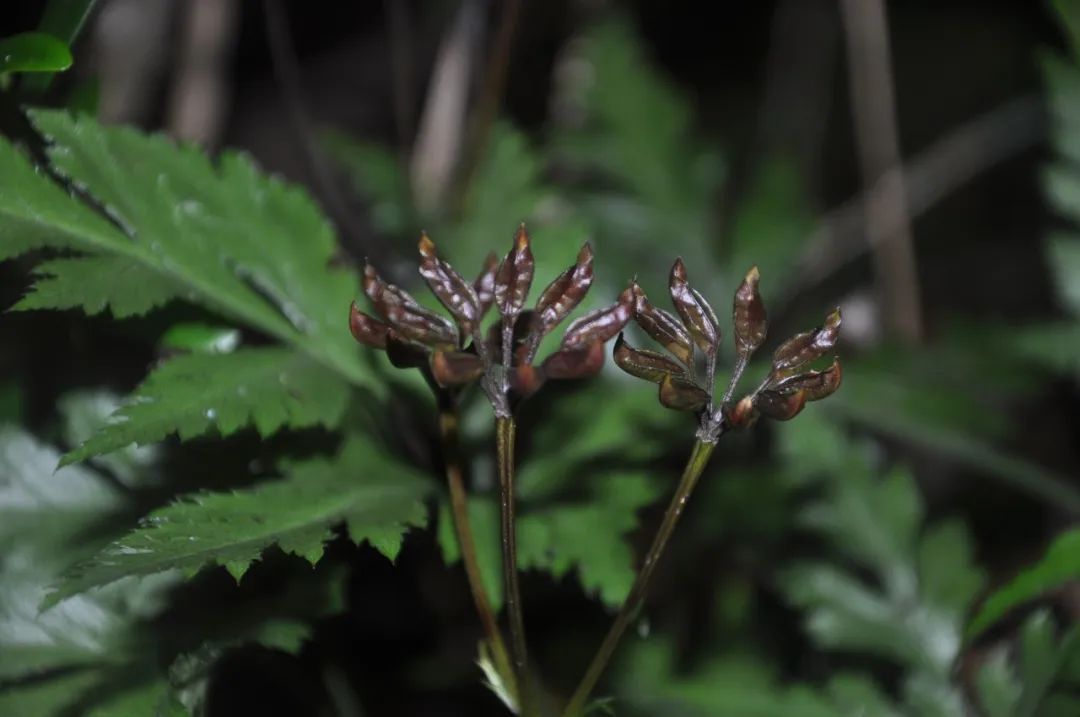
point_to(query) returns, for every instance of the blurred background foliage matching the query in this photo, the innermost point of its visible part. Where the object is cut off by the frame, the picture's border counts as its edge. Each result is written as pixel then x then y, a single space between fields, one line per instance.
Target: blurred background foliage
pixel 903 549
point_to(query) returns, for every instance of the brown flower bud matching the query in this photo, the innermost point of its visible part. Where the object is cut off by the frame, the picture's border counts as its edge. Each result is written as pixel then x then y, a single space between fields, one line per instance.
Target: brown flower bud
pixel 366 329
pixel 809 346
pixel 662 326
pixel 455 368
pixel 404 353
pixel 525 380
pixel 485 283
pixel 742 414
pixel 515 275
pixel 600 325
pixel 649 365
pixel 748 315
pixel 404 314
pixel 577 362
pixel 816 384
pixel 682 394
pixel 697 315
pixel 780 406
pixel 450 288
pixel 567 291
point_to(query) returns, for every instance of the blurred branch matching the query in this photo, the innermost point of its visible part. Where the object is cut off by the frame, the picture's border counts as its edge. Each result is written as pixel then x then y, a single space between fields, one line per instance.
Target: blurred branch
pixel 286 67
pixel 487 106
pixel 931 175
pixel 799 81
pixel 131 50
pixel 197 102
pixel 401 54
pixel 442 125
pixel 873 108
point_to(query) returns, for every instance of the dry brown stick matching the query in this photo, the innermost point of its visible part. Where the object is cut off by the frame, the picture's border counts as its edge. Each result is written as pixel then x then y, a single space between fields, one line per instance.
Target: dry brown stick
pixel 286 68
pixel 873 108
pixel 933 174
pixel 198 99
pixel 441 132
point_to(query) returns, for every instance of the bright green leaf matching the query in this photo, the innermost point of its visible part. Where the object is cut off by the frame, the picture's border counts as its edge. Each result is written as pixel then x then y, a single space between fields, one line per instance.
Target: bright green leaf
pixel 269 388
pixel 242 244
pixel 377 497
pixel 33 52
pixel 95 283
pixel 1059 565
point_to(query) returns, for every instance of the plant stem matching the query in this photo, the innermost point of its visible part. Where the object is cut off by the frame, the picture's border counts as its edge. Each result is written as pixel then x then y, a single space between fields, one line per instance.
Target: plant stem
pixel 504 445
pixel 699 457
pixel 448 432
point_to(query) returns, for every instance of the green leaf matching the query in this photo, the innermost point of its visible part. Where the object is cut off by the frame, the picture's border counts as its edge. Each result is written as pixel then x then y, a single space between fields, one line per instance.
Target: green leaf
pixel 376 497
pixel 95 283
pixel 189 395
pixel 244 245
pixel 650 682
pixel 87 412
pixel 589 538
pixel 1059 565
pixel 201 338
pixel 33 52
pixel 586 537
pixel 375 172
pixel 923 580
pixel 63 19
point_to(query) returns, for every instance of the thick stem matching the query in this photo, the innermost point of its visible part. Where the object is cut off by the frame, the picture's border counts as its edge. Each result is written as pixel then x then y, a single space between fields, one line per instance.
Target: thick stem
pixel 448 432
pixel 694 468
pixel 504 444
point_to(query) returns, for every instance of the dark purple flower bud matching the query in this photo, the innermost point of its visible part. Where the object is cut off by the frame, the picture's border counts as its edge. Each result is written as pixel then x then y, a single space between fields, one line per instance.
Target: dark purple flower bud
pixel 450 287
pixel 682 394
pixel 455 368
pixel 366 329
pixel 662 326
pixel 566 292
pixel 806 347
pixel 404 314
pixel 515 275
pixel 404 353
pixel 780 406
pixel 649 365
pixel 697 315
pixel 816 384
pixel 577 362
pixel 525 380
pixel 485 283
pixel 748 315
pixel 600 325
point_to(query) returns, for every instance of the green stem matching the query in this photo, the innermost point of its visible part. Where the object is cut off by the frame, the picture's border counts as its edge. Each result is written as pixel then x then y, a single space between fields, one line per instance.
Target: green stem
pixel 448 432
pixel 504 445
pixel 694 467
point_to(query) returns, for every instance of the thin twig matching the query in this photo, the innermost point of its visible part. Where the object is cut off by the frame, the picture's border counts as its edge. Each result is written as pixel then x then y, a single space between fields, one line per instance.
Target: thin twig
pixel 699 458
pixel 283 57
pixel 504 446
pixel 442 123
pixel 494 86
pixel 459 510
pixel 401 65
pixel 873 108
pixel 931 176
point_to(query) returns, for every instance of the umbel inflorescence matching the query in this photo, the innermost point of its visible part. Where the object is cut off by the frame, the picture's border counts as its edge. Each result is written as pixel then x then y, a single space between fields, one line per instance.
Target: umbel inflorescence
pixel 457 351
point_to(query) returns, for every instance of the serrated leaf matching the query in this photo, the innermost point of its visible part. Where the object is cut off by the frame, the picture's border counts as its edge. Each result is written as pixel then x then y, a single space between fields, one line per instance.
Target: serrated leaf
pixel 1059 565
pixel 586 537
pixel 240 243
pixel 363 487
pixel 95 283
pixel 268 388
